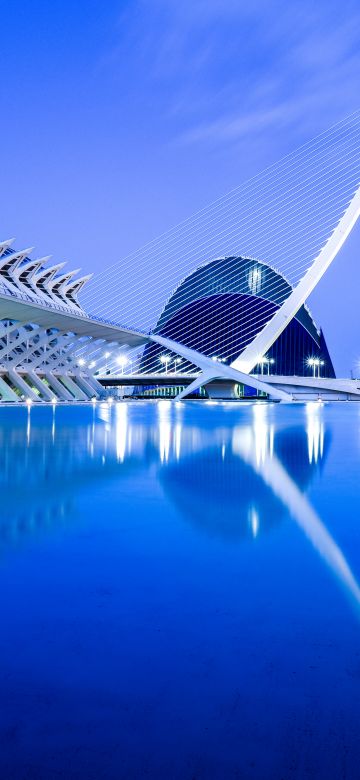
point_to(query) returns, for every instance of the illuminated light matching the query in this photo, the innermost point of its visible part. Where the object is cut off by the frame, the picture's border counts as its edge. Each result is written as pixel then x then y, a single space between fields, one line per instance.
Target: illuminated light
pixel 29 401
pixel 122 361
pixel 165 359
pixel 54 400
pixel 93 400
pixel 110 400
pixel 254 280
pixel 107 354
pixel 92 364
pixel 81 362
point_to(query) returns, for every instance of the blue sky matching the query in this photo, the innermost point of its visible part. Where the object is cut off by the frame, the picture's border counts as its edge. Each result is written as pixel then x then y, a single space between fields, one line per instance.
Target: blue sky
pixel 122 118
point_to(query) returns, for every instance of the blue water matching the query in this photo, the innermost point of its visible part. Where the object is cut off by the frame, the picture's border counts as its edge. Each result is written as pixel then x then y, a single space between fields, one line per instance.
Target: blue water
pixel 179 591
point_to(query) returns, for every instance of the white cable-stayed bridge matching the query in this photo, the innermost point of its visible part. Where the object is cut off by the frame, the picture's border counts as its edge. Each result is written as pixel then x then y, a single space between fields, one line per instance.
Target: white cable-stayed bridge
pixel 217 302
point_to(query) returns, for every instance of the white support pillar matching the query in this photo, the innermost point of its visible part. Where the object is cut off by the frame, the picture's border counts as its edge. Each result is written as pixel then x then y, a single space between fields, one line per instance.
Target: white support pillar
pixel 268 335
pixel 60 391
pixel 214 370
pixel 41 386
pixel 23 358
pixel 90 385
pixel 7 392
pixel 24 388
pixel 9 346
pixel 74 388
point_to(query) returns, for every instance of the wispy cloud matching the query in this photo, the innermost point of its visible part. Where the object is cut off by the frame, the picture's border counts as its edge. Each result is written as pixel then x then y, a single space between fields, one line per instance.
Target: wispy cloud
pixel 238 69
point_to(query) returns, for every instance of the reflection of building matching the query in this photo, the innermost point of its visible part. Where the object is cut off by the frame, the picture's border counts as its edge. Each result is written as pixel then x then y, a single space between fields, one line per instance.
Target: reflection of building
pixel 219 309
pixel 232 479
pixel 49 457
pixel 223 495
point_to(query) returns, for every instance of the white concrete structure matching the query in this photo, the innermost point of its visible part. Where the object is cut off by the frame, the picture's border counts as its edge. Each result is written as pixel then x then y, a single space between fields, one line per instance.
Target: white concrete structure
pixel 255 352
pixel 49 347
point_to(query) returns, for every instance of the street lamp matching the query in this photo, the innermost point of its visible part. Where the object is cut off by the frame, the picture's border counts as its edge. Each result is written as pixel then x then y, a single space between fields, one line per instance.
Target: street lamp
pixel 177 361
pixel 122 361
pixel 315 363
pixel 264 361
pixel 106 356
pixel 164 359
pixel 311 363
pixel 81 362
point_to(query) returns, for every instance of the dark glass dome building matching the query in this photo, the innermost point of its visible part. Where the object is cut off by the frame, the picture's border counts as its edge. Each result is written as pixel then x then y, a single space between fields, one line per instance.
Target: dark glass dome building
pixel 220 307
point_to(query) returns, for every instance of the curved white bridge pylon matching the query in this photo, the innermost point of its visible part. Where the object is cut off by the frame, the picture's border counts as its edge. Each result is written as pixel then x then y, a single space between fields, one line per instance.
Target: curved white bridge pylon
pixel 240 369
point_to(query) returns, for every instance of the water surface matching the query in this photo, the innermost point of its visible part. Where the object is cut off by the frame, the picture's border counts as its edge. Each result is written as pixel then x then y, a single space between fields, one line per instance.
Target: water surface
pixel 180 591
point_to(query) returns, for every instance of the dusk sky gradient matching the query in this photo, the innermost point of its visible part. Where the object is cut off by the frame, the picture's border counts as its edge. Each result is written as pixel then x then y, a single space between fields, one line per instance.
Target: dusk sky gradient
pixel 121 119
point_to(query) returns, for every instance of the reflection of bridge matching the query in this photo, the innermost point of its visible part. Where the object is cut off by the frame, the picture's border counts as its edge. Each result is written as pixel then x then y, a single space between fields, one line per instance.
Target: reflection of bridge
pixel 244 475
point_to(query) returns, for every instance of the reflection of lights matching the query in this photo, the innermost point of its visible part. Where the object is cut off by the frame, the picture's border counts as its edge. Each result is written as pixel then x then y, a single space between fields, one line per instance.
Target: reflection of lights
pixel 315 432
pixel 164 429
pixel 121 431
pixel 271 441
pixel 263 433
pixel 223 450
pixel 254 521
pixel 28 427
pixel 177 440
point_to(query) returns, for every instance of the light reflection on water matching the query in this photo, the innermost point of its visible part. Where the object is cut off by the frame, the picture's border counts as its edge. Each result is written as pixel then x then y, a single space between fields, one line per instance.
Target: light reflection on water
pixel 235 480
pixel 229 476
